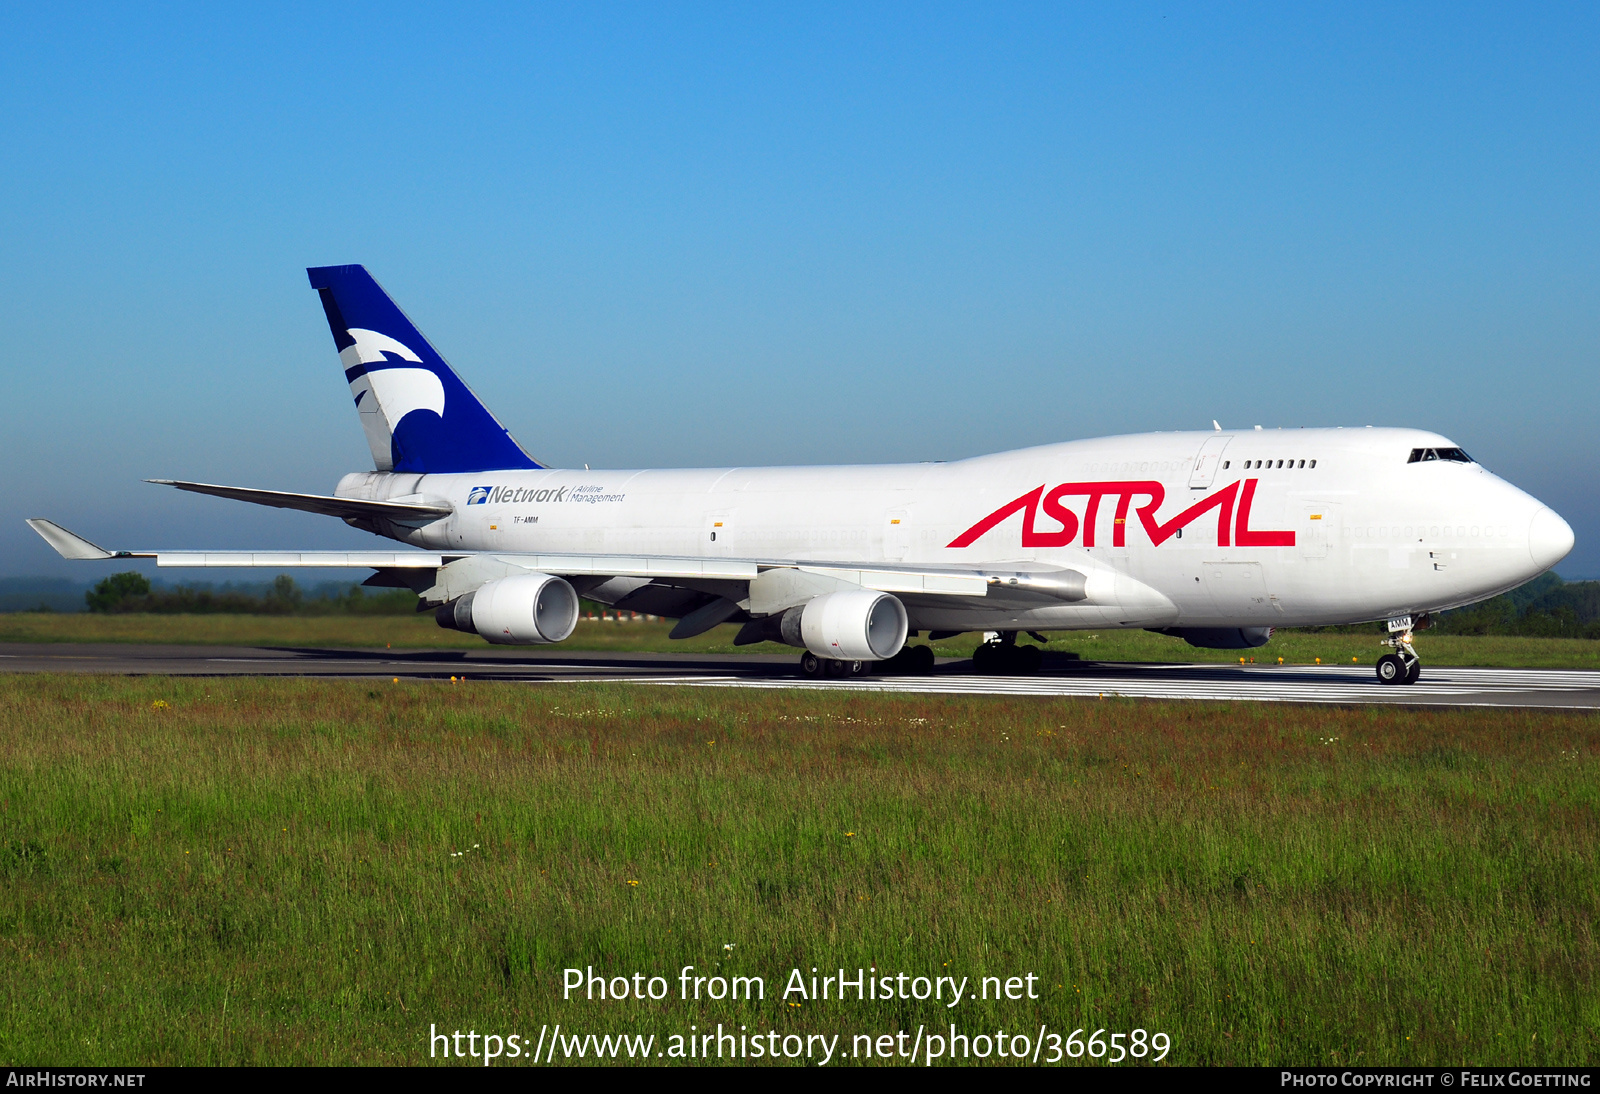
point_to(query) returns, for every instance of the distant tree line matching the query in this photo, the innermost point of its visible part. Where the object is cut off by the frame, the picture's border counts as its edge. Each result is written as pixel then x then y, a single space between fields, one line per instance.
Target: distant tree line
pixel 1545 607
pixel 132 592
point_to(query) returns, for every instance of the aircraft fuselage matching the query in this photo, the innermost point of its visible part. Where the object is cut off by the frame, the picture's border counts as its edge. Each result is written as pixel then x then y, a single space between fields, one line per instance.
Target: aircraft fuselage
pixel 1256 528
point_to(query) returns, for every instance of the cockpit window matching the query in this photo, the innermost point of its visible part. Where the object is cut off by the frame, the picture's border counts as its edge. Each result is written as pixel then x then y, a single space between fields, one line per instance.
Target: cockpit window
pixel 1454 455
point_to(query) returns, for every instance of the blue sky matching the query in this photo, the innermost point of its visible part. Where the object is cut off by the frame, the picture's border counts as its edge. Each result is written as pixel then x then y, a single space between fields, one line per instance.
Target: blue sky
pixel 704 235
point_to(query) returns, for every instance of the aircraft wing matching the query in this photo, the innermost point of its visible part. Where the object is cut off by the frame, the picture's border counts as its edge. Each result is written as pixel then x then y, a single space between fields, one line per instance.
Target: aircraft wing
pixel 662 585
pixel 949 581
pixel 907 579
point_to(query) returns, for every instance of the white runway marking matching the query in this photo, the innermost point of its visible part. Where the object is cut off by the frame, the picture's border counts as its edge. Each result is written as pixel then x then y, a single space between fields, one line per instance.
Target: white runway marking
pixel 1301 684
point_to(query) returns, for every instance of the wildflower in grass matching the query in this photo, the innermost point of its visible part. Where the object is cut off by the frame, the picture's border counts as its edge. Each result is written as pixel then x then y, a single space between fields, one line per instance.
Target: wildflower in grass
pixel 160 704
pixel 728 946
pixel 632 882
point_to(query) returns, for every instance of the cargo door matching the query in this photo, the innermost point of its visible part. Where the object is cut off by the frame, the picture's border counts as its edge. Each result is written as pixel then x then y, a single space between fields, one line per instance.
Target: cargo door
pixel 1238 589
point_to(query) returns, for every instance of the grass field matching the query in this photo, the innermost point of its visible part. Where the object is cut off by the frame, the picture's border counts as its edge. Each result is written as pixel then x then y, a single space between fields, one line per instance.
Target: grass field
pixel 1295 647
pixel 238 871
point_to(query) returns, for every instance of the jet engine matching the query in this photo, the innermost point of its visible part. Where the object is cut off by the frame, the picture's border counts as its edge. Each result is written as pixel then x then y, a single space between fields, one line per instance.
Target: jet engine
pixel 522 610
pixel 1221 638
pixel 859 625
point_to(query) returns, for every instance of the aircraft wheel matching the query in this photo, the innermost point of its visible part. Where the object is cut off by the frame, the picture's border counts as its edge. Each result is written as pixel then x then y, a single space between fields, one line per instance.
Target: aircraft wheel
pixel 921 660
pixel 987 659
pixel 811 665
pixel 1026 660
pixel 1413 672
pixel 1391 670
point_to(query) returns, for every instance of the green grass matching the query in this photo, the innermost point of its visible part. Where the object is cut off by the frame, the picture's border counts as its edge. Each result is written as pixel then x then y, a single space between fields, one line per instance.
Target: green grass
pixel 267 871
pixel 1295 647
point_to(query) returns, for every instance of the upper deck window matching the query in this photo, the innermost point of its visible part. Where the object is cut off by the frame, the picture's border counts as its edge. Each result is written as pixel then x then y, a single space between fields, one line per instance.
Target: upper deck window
pixel 1454 455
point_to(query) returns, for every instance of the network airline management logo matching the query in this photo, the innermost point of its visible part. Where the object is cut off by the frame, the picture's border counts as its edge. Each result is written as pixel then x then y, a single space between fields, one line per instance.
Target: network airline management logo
pixel 485 495
pixel 500 495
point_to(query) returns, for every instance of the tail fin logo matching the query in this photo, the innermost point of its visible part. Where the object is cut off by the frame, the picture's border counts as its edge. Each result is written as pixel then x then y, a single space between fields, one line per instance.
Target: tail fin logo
pixel 399 391
pixel 370 348
pixel 479 495
pixel 396 389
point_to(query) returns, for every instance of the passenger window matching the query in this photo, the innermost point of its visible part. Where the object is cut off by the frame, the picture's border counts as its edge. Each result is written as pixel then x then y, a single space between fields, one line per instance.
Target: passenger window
pixel 1280 463
pixel 1225 465
pixel 1313 463
pixel 1302 463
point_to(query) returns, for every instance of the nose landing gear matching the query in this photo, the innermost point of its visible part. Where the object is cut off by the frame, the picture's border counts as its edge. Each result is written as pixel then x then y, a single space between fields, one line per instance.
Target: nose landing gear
pixel 1403 666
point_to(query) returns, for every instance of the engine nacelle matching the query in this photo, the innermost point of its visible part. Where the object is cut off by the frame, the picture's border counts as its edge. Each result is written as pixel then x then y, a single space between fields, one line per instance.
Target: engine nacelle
pixel 859 625
pixel 522 610
pixel 1222 638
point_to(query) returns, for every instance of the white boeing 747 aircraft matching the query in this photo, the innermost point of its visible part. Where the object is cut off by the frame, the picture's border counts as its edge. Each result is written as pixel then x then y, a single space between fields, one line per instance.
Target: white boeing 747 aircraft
pixel 1214 537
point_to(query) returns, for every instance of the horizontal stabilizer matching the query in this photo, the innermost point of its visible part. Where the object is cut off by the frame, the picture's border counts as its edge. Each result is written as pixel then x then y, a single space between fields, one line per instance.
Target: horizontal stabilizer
pixel 315 503
pixel 69 544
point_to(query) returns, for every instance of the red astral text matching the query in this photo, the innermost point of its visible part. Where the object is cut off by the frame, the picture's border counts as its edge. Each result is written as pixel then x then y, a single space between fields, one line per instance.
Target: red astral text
pixel 1232 504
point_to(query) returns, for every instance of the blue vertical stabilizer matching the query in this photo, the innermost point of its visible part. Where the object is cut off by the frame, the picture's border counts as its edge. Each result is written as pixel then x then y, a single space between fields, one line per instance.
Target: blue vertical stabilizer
pixel 417 414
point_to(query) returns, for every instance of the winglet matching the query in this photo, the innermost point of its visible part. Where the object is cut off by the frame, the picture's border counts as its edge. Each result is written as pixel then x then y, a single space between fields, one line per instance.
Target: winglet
pixel 70 544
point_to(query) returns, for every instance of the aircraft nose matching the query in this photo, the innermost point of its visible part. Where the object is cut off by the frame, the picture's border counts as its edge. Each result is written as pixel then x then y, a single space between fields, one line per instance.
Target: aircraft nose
pixel 1549 538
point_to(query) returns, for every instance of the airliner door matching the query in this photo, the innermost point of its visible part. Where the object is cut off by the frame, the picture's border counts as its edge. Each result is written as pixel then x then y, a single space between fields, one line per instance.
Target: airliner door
pixel 719 526
pixel 896 535
pixel 1320 528
pixel 1207 462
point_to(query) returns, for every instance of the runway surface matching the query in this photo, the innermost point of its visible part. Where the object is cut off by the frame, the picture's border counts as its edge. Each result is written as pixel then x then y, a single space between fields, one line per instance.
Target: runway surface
pixel 1439 686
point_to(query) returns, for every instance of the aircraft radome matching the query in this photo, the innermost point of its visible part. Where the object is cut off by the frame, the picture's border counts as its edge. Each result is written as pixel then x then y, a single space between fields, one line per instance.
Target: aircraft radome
pixel 1215 536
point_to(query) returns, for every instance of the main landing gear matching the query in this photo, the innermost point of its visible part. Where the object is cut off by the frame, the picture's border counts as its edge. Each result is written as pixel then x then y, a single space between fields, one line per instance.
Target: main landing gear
pixel 1403 666
pixel 813 667
pixel 910 661
pixel 1001 656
